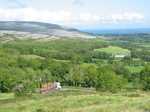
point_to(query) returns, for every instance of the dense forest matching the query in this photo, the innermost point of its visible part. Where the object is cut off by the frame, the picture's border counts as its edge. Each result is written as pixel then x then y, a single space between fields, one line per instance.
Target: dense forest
pixel 121 62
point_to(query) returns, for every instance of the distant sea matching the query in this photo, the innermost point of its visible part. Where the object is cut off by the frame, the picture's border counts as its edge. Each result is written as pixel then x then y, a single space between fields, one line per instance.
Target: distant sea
pixel 118 31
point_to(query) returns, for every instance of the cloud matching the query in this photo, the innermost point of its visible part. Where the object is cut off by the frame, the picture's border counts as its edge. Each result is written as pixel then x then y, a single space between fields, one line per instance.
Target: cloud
pixel 30 14
pixel 69 17
pixel 128 16
pixel 117 18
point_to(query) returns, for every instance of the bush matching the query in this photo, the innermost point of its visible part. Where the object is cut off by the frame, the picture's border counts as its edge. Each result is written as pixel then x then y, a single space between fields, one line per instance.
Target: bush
pixel 24 89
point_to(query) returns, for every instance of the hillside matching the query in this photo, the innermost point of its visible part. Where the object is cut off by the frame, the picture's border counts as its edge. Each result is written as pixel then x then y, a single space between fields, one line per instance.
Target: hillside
pixel 38 30
pixel 77 100
pixel 91 79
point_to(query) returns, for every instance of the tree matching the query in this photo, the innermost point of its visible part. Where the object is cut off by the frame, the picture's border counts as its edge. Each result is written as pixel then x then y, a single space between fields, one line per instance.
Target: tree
pixel 89 74
pixel 75 76
pixel 107 80
pixel 145 77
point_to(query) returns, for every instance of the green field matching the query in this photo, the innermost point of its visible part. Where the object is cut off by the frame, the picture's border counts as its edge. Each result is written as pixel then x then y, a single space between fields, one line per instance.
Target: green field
pixel 114 50
pixel 77 100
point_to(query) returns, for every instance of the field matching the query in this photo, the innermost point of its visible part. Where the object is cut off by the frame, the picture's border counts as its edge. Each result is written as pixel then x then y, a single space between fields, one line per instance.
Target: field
pixel 77 100
pixel 114 50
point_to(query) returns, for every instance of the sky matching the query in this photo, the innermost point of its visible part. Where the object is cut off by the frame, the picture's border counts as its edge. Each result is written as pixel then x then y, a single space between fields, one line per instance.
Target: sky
pixel 81 14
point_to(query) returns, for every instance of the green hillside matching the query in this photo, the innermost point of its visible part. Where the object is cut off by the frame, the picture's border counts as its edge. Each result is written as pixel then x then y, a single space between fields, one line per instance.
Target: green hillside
pixel 77 100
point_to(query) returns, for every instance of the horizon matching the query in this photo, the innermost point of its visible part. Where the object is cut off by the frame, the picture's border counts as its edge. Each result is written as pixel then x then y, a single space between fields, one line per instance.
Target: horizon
pixel 80 14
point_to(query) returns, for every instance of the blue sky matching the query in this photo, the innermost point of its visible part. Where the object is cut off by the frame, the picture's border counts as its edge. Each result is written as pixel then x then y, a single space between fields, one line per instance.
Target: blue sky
pixel 83 14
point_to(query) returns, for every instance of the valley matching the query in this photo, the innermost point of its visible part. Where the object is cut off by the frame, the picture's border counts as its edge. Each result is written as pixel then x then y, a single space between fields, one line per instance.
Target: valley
pixel 108 74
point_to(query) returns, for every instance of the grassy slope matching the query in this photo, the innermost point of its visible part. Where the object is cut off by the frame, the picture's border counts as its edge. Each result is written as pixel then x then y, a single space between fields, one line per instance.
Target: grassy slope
pixel 113 50
pixel 77 100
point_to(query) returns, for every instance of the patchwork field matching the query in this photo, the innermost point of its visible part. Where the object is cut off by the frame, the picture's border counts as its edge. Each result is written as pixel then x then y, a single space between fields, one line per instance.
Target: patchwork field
pixel 77 100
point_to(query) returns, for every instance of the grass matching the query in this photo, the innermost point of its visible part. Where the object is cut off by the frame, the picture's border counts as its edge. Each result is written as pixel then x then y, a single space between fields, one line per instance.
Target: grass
pixel 114 50
pixel 6 96
pixel 77 100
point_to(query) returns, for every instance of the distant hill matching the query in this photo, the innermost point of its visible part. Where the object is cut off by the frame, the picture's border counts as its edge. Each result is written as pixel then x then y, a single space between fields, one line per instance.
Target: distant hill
pixel 39 29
